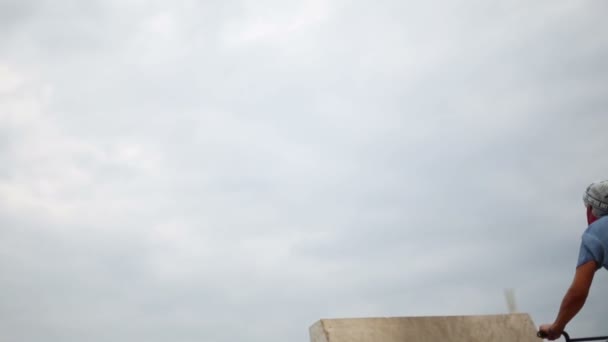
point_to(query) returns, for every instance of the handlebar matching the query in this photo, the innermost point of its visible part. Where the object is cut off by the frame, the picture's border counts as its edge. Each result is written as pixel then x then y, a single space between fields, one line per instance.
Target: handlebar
pixel 568 339
pixel 543 335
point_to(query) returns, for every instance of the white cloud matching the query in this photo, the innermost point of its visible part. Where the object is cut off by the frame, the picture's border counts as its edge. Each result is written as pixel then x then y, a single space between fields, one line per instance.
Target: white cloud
pixel 274 22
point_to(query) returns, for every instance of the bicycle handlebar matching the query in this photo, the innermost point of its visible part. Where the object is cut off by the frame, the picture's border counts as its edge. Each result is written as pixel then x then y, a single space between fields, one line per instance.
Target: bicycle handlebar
pixel 543 335
pixel 568 339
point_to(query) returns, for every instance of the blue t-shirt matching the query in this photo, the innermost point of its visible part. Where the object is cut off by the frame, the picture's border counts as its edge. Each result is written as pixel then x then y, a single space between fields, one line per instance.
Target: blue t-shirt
pixel 594 243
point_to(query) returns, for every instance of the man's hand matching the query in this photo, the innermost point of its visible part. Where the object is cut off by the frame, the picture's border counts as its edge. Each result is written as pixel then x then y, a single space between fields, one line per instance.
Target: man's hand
pixel 550 332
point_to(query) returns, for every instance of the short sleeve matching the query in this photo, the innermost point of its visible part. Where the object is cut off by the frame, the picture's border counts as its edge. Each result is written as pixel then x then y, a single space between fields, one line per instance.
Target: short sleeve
pixel 591 249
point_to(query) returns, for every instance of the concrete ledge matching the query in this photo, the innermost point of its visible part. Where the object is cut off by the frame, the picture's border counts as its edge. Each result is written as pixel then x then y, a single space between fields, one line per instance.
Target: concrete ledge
pixel 489 328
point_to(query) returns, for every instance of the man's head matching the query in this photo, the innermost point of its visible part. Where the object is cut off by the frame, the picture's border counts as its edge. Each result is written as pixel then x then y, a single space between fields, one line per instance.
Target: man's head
pixel 596 199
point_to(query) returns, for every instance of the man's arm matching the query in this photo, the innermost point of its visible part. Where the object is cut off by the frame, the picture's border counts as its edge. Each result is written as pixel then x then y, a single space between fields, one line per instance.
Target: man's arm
pixel 573 300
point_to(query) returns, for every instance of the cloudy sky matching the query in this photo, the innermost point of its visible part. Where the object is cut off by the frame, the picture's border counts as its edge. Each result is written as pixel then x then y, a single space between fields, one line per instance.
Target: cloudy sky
pixel 235 170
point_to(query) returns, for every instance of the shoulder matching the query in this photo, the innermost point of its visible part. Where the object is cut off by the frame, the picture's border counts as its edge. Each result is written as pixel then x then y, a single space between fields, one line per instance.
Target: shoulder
pixel 598 229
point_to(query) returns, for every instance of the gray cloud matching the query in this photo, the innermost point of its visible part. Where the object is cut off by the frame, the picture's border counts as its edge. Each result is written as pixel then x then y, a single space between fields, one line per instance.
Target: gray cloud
pixel 236 171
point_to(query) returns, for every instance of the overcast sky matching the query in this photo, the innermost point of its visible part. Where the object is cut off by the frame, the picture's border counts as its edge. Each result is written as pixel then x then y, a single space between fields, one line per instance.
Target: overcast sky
pixel 226 171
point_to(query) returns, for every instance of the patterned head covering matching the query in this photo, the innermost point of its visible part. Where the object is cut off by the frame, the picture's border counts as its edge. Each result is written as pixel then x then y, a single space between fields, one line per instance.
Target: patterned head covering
pixel 596 196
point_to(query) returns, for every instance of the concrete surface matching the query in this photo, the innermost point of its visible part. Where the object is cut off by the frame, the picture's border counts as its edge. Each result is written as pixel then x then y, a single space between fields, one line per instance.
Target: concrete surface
pixel 491 328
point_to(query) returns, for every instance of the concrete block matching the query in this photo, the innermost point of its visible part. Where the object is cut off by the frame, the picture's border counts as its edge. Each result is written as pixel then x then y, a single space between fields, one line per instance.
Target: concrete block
pixel 488 328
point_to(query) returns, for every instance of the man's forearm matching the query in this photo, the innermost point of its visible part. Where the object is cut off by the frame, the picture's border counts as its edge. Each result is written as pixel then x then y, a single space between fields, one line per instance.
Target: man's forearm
pixel 571 304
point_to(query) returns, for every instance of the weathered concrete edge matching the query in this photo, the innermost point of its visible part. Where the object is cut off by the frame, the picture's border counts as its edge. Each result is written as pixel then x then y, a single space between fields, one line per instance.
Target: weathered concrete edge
pixel 422 317
pixel 317 332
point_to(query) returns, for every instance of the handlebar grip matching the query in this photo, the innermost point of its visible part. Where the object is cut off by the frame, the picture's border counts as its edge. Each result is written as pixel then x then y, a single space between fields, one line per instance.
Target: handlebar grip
pixel 543 335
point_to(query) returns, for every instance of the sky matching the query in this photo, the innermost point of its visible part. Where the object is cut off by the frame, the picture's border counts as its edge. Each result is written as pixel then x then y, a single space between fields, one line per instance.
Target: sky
pixel 237 170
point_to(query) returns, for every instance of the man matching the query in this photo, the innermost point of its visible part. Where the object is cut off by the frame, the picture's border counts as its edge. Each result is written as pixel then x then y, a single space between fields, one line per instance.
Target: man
pixel 592 255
